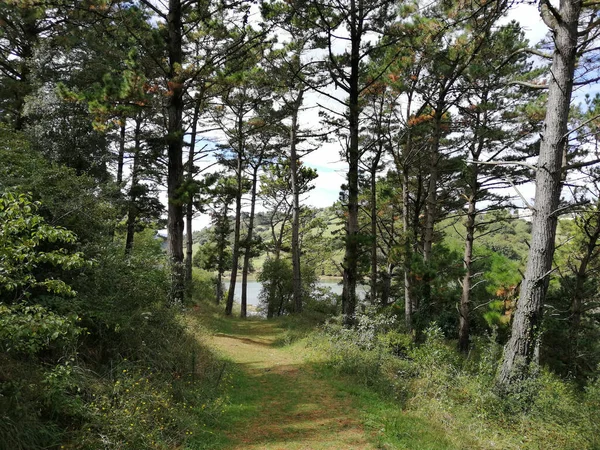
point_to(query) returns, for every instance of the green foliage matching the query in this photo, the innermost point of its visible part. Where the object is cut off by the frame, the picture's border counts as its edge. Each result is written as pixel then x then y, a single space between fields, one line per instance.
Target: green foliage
pixel 207 257
pixel 438 288
pixel 68 199
pixel 28 243
pixel 363 351
pixel 62 132
pixel 204 285
pixel 323 301
pixel 112 366
pixel 276 292
pixel 432 381
pixel 30 329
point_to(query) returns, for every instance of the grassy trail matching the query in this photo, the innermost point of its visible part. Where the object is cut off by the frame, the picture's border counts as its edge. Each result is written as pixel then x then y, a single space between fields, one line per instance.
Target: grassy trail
pixel 284 397
pixel 276 400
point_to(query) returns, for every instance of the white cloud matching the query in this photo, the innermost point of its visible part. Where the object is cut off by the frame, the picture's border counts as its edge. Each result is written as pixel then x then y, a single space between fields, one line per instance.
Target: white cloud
pixel 529 18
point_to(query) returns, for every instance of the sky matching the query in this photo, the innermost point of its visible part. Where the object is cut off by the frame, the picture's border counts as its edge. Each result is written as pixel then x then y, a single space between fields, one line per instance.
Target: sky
pixel 326 159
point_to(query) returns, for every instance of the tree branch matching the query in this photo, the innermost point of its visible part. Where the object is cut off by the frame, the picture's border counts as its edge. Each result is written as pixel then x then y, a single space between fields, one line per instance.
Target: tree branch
pixel 502 163
pixel 532 51
pixel 154 8
pixel 529 85
pixel 549 14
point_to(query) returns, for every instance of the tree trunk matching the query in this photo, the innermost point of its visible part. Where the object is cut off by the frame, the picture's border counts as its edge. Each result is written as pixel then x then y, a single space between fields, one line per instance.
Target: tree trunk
pixel 249 236
pixel 579 294
pixel 352 229
pixel 374 166
pixel 387 285
pixel 189 215
pixel 133 209
pixel 221 242
pixel 296 272
pixel 519 351
pixel 408 300
pixel 236 236
pixel 430 211
pixel 175 106
pixel 463 326
pixel 31 37
pixel 121 155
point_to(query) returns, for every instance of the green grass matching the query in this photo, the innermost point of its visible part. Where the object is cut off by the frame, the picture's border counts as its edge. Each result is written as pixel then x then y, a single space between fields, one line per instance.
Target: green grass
pixel 285 396
pixel 391 427
pixel 286 392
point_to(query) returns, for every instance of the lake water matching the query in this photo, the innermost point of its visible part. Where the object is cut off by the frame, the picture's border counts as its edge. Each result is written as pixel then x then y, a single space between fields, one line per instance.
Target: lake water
pixel 255 286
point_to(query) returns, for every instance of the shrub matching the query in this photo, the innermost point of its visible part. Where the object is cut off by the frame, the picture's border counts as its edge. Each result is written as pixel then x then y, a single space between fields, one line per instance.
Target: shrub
pixel 322 300
pixel 204 285
pixel 27 330
pixel 276 291
pixel 362 351
pixel 128 374
pixel 27 244
pixel 433 381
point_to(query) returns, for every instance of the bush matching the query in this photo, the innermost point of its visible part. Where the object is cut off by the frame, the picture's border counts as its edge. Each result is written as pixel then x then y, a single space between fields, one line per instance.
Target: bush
pixel 322 300
pixel 363 351
pixel 204 285
pixel 276 292
pixel 112 367
pixel 28 330
pixel 433 381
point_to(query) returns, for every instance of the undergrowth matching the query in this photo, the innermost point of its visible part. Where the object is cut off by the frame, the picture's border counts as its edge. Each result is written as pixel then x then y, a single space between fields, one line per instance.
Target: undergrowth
pixel 111 368
pixel 432 383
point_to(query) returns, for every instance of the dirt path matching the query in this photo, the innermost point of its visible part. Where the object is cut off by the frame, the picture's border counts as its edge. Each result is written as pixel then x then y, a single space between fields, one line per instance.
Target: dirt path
pixel 277 401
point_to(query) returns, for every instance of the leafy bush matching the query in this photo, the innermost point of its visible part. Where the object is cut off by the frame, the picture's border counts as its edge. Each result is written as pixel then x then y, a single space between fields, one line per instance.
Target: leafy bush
pixel 204 285
pixel 112 367
pixel 28 243
pixel 322 300
pixel 361 351
pixel 27 330
pixel 35 341
pixel 276 291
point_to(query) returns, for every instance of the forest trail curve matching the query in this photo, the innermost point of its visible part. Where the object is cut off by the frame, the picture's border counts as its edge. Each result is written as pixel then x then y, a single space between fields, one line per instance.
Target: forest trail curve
pixel 277 400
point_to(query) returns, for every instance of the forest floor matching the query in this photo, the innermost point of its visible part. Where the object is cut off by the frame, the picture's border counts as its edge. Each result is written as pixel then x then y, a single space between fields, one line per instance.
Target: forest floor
pixel 278 397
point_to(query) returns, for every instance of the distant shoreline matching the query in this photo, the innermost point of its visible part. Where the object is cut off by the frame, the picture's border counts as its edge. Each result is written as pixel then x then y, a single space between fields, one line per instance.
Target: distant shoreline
pixel 254 277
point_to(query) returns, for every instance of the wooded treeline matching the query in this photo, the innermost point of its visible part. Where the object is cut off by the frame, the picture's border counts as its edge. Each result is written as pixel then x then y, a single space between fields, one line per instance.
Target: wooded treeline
pixel 443 113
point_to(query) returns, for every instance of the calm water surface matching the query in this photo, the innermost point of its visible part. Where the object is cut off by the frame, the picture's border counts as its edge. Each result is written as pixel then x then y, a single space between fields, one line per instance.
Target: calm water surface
pixel 255 286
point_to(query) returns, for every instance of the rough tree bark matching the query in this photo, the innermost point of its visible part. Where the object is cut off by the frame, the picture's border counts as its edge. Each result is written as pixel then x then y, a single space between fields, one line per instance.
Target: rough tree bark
pixel 352 230
pixel 189 214
pixel 431 210
pixel 121 154
pixel 296 272
pixel 236 231
pixel 407 152
pixel 249 236
pixel 175 106
pixel 132 208
pixel 520 349
pixel 472 180
pixel 221 244
pixel 465 299
pixel 373 202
